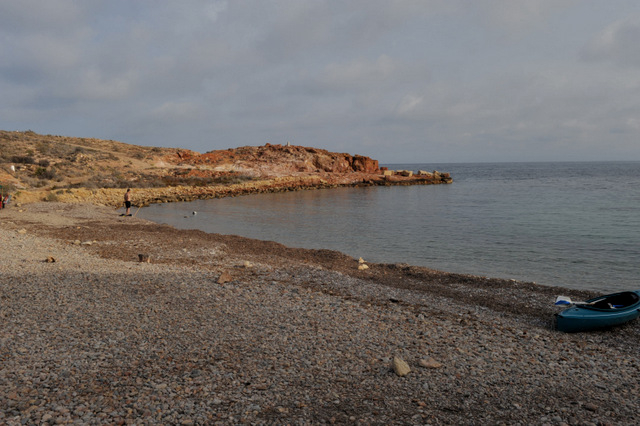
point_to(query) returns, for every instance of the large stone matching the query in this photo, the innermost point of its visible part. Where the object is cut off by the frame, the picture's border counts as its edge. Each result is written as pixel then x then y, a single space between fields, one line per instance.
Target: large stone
pixel 364 164
pixel 400 367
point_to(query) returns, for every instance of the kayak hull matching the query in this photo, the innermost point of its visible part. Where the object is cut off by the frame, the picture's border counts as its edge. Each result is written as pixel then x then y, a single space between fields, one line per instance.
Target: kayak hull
pixel 600 312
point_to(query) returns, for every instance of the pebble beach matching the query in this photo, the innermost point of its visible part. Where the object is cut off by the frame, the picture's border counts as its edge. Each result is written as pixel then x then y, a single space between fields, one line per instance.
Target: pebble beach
pixel 215 329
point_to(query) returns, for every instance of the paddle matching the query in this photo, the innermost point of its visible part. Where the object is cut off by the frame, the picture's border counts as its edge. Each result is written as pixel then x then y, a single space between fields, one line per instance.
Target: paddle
pixel 564 300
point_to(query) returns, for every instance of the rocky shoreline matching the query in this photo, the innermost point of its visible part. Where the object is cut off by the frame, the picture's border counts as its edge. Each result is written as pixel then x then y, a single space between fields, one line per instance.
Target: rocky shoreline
pixel 226 330
pixel 36 168
pixel 179 193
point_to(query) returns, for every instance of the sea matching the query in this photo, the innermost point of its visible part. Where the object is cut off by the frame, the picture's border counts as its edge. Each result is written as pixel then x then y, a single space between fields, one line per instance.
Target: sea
pixel 567 224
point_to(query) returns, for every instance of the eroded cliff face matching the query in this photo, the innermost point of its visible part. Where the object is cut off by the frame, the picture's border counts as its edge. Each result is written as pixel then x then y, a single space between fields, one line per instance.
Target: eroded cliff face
pixel 276 161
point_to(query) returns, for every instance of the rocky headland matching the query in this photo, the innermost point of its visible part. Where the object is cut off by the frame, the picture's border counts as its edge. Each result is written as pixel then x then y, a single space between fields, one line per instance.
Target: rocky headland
pixel 56 168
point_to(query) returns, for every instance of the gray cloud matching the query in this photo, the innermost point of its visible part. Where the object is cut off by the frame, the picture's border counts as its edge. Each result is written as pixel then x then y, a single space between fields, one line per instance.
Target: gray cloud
pixel 400 81
pixel 617 43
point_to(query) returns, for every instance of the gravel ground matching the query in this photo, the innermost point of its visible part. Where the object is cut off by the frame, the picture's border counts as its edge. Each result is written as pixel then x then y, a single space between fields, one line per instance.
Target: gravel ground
pixel 226 330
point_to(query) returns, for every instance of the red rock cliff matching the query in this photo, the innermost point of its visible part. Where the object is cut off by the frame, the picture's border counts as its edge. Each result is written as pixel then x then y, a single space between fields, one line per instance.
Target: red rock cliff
pixel 277 160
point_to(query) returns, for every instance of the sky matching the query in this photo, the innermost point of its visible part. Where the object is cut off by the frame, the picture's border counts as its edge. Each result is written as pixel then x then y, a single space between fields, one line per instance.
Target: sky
pixel 401 81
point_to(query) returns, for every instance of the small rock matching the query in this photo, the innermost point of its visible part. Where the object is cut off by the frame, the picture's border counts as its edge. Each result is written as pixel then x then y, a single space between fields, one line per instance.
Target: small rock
pixel 400 367
pixel 361 261
pixel 50 259
pixel 77 243
pixel 225 277
pixel 362 267
pixel 590 406
pixel 247 264
pixel 22 231
pixel 430 363
pixel 144 258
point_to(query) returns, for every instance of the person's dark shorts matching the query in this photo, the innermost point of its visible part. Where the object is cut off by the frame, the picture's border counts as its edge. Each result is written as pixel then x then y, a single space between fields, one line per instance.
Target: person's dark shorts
pixel 127 204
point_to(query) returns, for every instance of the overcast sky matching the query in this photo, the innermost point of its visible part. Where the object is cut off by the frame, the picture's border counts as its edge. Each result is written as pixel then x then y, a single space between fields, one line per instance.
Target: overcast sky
pixel 396 80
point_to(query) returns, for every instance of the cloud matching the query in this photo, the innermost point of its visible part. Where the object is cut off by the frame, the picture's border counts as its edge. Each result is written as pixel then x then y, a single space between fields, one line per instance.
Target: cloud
pixel 618 43
pixel 401 79
pixel 360 73
pixel 25 16
pixel 520 16
pixel 409 104
pixel 177 110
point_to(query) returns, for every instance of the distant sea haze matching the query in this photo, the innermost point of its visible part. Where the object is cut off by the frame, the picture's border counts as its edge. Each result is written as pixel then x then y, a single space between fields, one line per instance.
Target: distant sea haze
pixel 573 225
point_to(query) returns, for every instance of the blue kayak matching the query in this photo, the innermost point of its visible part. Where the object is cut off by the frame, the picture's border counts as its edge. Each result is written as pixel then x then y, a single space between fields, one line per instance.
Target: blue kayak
pixel 600 312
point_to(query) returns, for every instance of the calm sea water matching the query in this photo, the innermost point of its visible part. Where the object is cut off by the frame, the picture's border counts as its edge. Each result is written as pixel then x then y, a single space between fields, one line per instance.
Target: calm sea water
pixel 563 224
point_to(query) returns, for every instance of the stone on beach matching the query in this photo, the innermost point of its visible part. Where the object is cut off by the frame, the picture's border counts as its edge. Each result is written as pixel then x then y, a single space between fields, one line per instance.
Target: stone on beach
pixel 362 265
pixel 400 367
pixel 225 277
pixel 301 338
pixel 430 363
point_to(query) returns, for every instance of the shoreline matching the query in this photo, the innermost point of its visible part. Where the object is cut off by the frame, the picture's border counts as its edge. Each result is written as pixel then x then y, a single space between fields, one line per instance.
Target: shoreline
pixel 226 329
pixel 180 193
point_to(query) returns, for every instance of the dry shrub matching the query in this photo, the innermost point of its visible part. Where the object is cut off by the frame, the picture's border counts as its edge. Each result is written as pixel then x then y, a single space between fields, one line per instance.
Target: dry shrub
pixel 23 159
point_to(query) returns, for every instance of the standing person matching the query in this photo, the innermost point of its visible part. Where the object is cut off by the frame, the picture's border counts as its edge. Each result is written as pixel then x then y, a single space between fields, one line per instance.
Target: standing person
pixel 127 202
